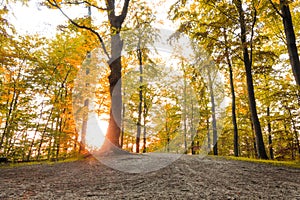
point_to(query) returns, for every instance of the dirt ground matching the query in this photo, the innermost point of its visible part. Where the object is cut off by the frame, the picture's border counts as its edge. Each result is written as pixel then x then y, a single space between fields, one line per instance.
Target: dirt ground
pixel 188 177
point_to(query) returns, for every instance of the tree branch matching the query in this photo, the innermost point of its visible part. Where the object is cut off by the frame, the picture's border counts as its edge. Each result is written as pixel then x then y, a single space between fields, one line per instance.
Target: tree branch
pixel 124 10
pixel 275 8
pixel 85 2
pixel 81 26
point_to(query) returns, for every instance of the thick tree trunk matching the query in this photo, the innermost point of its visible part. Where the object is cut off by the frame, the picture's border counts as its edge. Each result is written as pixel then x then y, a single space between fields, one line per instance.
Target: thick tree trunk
pixel 290 39
pixel 115 85
pixel 248 67
pixel 113 130
pixel 112 143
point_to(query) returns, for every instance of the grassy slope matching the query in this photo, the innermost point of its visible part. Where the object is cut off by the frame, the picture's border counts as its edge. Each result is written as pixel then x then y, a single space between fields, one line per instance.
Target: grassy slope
pixel 12 165
pixel 294 164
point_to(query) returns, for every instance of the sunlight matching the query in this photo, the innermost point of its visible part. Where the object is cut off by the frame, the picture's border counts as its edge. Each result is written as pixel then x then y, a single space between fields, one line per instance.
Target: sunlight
pixel 96 131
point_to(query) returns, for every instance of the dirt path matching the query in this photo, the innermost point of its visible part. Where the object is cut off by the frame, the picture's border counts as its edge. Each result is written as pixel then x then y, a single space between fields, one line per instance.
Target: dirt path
pixel 189 177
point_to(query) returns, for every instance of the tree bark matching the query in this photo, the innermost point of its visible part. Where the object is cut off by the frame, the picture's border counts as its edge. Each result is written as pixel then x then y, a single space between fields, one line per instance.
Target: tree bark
pixel 115 65
pixel 233 105
pixel 270 135
pixel 248 67
pixel 290 39
pixel 139 122
pixel 213 110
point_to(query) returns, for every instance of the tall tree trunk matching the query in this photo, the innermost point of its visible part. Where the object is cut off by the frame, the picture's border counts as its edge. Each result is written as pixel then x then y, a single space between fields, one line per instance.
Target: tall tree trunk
pixel 145 138
pixel 185 115
pixel 113 130
pixel 213 110
pixel 233 105
pixel 290 39
pixel 192 128
pixel 248 67
pixel 208 135
pixel 145 113
pixel 254 153
pixel 10 114
pixel 270 134
pixel 115 65
pixel 139 124
pixel 123 123
pixel 84 126
pixel 294 130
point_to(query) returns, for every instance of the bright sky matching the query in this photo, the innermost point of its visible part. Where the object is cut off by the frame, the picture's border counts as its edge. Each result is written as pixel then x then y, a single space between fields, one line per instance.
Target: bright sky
pixel 35 18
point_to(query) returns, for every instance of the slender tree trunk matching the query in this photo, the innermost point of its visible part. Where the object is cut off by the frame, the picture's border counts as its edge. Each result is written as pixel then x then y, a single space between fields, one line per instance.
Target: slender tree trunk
pixel 248 67
pixel 213 110
pixel 294 130
pixel 43 135
pixel 123 124
pixel 208 135
pixel 84 126
pixel 290 39
pixel 185 115
pixel 270 134
pixel 10 114
pixel 233 105
pixel 145 138
pixel 233 112
pixel 139 124
pixel 192 127
pixel 145 113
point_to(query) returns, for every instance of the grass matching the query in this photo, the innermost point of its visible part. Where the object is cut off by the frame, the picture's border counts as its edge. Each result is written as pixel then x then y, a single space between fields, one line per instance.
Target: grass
pixel 293 164
pixel 46 162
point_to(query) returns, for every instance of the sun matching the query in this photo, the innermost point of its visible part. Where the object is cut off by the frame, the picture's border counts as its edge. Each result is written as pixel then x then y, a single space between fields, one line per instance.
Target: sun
pixel 96 131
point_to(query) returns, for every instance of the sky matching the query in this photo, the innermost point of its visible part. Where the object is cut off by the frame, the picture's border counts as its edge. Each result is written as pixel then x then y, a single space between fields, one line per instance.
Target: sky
pixel 37 19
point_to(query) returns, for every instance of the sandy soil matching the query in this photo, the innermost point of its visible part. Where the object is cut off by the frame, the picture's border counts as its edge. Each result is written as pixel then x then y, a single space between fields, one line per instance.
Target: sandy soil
pixel 188 177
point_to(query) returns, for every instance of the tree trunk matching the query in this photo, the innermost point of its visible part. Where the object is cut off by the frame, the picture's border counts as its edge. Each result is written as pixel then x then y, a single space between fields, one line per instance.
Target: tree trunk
pixel 113 130
pixel 145 113
pixel 248 67
pixel 84 126
pixel 208 135
pixel 233 105
pixel 270 134
pixel 213 110
pixel 290 39
pixel 185 115
pixel 112 143
pixel 123 124
pixel 139 124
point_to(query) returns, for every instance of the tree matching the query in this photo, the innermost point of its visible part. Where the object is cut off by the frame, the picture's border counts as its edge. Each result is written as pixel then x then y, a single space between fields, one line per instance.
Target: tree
pixel 114 59
pixel 286 16
pixel 248 67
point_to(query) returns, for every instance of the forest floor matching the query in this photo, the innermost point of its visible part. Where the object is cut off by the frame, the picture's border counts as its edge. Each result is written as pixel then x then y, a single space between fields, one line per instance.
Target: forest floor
pixel 188 177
